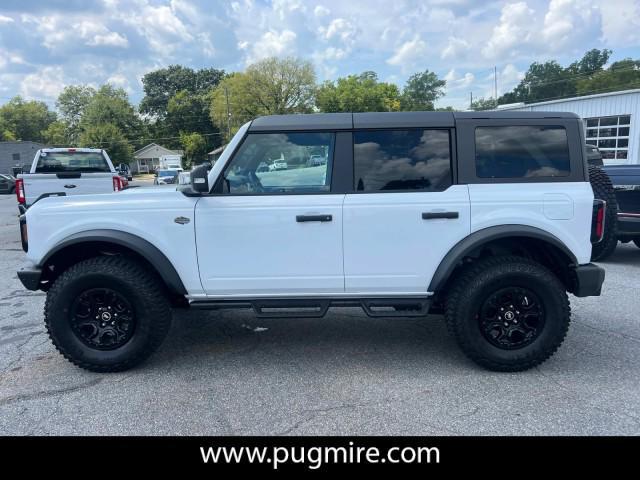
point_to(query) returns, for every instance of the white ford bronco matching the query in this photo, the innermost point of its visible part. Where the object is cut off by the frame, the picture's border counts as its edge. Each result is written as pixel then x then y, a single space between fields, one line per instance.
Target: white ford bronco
pixel 487 217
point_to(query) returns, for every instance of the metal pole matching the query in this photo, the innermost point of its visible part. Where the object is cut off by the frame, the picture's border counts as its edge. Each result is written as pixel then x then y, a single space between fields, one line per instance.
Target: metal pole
pixel 226 95
pixel 495 80
pixel 470 100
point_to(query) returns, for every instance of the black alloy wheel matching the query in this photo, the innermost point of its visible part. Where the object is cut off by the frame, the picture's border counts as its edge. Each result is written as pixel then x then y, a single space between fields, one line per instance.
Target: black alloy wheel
pixel 511 318
pixel 102 318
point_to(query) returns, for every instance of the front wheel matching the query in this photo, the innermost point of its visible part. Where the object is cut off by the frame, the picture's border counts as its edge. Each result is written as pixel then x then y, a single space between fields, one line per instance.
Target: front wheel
pixel 107 314
pixel 508 313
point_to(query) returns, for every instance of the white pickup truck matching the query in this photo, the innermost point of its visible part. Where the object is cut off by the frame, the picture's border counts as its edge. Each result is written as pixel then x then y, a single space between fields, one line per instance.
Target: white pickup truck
pixel 67 171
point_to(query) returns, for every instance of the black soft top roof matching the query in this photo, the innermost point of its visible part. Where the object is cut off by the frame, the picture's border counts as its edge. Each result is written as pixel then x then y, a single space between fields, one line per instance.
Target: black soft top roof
pixel 347 121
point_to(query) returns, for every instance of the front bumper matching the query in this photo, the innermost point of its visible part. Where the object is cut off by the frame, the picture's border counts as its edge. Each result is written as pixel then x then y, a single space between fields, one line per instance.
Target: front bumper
pixel 30 277
pixel 588 280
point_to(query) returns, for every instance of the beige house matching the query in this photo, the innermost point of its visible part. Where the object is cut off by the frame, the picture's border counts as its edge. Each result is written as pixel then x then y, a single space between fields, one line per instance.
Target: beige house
pixel 147 159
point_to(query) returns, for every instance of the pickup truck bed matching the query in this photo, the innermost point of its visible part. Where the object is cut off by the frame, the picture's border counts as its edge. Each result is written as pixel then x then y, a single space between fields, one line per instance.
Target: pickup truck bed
pixel 626 183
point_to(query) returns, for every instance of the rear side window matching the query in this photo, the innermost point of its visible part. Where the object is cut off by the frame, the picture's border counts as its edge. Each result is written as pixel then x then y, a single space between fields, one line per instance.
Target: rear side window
pixel 54 162
pixel 387 160
pixel 522 151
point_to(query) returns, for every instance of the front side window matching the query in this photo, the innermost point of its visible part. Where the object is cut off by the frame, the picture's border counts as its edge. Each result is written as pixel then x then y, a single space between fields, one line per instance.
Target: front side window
pixel 281 163
pixel 413 159
pixel 522 151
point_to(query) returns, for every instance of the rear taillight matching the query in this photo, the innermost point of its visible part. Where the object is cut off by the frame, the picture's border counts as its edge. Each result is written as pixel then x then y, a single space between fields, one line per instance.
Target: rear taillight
pixel 117 183
pixel 597 221
pixel 20 191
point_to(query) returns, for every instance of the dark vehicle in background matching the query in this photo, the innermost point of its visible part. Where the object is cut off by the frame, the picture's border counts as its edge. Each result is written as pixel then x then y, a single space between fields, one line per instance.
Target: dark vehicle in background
pixel 626 184
pixel 594 156
pixel 166 177
pixel 124 171
pixel 7 183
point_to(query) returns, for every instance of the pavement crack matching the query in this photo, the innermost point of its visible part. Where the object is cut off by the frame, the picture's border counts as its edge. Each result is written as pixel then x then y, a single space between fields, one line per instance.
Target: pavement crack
pixel 48 393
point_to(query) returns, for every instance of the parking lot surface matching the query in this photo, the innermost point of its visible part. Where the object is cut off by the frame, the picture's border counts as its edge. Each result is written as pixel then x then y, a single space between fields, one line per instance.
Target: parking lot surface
pixel 229 373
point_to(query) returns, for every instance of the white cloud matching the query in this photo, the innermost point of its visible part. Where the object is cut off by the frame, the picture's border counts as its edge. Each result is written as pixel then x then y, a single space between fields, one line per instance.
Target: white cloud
pixel 514 29
pixel 121 81
pixel 4 20
pixel 621 25
pixel 341 29
pixel 45 83
pixel 160 26
pixel 509 77
pixel 273 44
pixel 111 39
pixel 408 53
pixel 455 82
pixel 321 11
pixel 569 21
pixel 455 48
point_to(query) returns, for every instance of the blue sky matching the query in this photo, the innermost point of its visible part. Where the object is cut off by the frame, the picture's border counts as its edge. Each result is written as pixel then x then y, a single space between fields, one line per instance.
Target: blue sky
pixel 47 44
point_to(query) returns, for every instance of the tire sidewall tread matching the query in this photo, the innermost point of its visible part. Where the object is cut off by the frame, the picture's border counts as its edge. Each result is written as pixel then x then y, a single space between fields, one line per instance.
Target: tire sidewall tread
pixel 485 276
pixel 143 290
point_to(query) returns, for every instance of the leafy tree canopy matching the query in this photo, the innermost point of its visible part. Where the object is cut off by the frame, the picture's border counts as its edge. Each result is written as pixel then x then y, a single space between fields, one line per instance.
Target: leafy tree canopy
pixel 161 85
pixel 25 120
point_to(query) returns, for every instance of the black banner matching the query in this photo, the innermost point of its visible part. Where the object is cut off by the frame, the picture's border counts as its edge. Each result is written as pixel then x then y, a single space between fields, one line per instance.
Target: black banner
pixel 506 455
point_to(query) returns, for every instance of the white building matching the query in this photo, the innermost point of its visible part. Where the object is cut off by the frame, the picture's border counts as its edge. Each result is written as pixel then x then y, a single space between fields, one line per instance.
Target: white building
pixel 612 121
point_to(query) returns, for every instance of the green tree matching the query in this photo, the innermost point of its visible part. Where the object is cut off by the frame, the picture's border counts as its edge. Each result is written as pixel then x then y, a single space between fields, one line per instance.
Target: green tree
pixel 161 85
pixel 550 80
pixel 358 93
pixel 233 92
pixel 484 104
pixel 56 134
pixel 421 91
pixel 72 103
pixel 195 148
pixel 621 75
pixel 110 138
pixel 543 81
pixel 591 62
pixel 111 105
pixel 6 134
pixel 271 86
pixel 26 120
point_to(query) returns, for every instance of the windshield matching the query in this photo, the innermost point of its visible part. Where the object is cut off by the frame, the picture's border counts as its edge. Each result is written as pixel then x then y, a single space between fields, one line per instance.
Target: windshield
pixel 53 162
pixel 167 173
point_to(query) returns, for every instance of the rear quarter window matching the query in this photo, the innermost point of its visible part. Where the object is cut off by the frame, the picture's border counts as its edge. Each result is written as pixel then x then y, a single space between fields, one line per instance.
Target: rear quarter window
pixel 55 162
pixel 522 151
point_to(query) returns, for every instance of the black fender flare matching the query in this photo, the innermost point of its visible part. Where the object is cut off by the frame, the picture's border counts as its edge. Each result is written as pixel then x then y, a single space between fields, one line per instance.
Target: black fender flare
pixel 476 239
pixel 142 247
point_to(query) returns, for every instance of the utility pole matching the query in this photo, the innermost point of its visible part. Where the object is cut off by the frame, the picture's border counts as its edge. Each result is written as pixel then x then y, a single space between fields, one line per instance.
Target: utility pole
pixel 470 100
pixel 226 96
pixel 495 83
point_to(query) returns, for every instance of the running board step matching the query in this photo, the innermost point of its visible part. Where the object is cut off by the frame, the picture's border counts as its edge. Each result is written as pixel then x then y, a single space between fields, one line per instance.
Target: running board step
pixel 318 307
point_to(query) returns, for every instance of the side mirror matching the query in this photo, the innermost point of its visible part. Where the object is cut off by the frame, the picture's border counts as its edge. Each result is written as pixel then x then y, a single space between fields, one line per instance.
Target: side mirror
pixel 200 179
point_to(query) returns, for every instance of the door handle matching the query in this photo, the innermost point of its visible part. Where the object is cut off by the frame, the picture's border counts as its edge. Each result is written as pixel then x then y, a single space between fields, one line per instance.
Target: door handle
pixel 314 218
pixel 434 215
pixel 69 185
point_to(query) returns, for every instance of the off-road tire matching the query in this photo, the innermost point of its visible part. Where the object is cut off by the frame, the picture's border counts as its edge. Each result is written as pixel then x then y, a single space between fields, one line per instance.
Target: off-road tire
pixel 603 190
pixel 142 289
pixel 483 278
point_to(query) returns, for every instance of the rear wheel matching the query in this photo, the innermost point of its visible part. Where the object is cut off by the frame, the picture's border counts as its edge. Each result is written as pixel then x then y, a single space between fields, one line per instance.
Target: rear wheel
pixel 508 313
pixel 107 314
pixel 603 190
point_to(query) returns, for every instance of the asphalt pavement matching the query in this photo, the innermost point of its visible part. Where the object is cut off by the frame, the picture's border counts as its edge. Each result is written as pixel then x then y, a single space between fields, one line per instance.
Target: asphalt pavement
pixel 229 373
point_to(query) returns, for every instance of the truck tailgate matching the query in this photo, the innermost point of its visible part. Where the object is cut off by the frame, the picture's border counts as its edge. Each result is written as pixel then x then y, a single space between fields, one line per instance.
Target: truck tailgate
pixel 38 184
